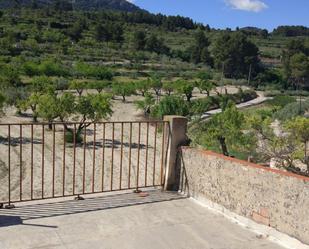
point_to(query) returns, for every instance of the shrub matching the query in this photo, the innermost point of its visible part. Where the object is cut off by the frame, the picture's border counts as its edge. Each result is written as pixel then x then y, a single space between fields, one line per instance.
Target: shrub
pixel 292 110
pixel 171 105
pixel 69 136
pixel 281 101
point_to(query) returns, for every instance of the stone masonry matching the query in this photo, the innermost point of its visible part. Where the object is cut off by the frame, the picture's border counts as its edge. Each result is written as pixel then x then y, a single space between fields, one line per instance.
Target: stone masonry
pixel 271 197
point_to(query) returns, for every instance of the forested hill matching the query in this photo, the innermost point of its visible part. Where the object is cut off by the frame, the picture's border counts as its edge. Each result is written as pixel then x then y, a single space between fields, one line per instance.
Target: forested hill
pixel 121 5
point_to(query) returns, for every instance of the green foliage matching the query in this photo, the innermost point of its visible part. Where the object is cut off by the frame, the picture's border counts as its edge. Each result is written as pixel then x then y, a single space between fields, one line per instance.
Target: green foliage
pixel 87 70
pixel 155 44
pixel 169 87
pixel 123 89
pixel 299 66
pixel 235 53
pixel 204 83
pixel 46 67
pixel 109 32
pixel 93 108
pixel 2 101
pixel 291 31
pixel 66 106
pixel 185 88
pixel 142 86
pixel 171 105
pixel 78 86
pixel 9 76
pixel 69 136
pixel 225 130
pixel 292 110
pixel 99 85
pixel 156 84
pixel 281 101
pixel 199 51
pixel 41 85
pixel 48 107
pixel 139 40
pixel 295 62
pixel 146 104
pixel 200 106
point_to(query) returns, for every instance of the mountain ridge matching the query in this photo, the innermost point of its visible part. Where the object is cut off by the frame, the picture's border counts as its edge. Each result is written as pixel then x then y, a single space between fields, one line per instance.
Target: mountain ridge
pixel 86 5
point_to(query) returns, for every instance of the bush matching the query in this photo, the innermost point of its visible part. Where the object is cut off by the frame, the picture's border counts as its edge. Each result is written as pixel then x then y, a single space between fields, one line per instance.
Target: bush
pixel 292 110
pixel 200 106
pixel 61 84
pixel 69 137
pixel 281 101
pixel 171 105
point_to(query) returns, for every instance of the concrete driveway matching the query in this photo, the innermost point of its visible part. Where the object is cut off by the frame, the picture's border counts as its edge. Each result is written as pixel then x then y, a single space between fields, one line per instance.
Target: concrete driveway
pixel 160 220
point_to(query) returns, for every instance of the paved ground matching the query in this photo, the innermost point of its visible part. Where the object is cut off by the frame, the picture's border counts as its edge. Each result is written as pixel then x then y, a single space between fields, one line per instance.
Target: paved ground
pixel 161 220
pixel 259 100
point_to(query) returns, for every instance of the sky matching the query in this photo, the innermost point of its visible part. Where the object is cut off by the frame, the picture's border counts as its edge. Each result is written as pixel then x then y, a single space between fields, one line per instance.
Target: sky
pixel 234 13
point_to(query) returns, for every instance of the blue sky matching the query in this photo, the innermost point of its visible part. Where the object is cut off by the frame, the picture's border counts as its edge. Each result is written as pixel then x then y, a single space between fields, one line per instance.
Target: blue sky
pixel 232 13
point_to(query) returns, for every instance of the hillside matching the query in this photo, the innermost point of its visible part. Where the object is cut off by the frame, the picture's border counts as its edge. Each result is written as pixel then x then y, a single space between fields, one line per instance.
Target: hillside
pixel 88 5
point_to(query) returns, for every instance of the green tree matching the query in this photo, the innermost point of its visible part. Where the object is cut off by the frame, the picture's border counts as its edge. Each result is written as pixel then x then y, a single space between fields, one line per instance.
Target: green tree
pixel 48 108
pixel 199 51
pixel 299 128
pixel 76 30
pixel 78 86
pixel 123 89
pixel 156 85
pixel 142 86
pixel 93 108
pixel 99 85
pixel 299 66
pixel 102 33
pixel 39 86
pixel 155 44
pixel 225 129
pixel 2 101
pixel 185 88
pixel 204 83
pixel 236 54
pixel 169 87
pixel 139 40
pixel 146 104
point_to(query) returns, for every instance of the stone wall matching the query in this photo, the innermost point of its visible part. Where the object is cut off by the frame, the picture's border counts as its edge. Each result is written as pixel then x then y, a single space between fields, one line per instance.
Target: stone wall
pixel 274 198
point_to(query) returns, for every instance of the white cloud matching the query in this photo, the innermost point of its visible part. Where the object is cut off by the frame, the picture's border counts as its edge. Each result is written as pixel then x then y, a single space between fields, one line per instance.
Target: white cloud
pixel 247 5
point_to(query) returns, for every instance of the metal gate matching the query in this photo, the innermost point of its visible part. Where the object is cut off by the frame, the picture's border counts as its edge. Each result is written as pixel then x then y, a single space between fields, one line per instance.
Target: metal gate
pixel 42 161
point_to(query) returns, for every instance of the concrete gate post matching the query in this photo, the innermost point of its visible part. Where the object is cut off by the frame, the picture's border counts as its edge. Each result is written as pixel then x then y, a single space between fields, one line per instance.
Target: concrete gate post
pixel 177 132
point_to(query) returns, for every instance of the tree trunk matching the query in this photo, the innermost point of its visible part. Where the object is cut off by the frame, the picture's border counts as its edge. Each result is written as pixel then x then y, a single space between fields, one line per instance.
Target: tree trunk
pixel 123 98
pixel 223 146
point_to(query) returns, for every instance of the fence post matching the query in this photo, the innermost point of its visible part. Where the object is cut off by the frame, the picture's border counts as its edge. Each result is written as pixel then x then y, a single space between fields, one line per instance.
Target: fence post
pixel 177 132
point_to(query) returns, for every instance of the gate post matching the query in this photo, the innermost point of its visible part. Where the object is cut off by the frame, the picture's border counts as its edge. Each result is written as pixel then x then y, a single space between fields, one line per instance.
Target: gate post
pixel 177 132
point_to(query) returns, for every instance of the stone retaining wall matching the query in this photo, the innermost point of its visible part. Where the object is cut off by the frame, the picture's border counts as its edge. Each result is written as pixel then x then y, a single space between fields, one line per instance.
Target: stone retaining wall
pixel 270 197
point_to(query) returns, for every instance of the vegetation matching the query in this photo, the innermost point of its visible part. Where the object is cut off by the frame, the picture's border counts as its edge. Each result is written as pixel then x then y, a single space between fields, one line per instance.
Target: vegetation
pixel 68 62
